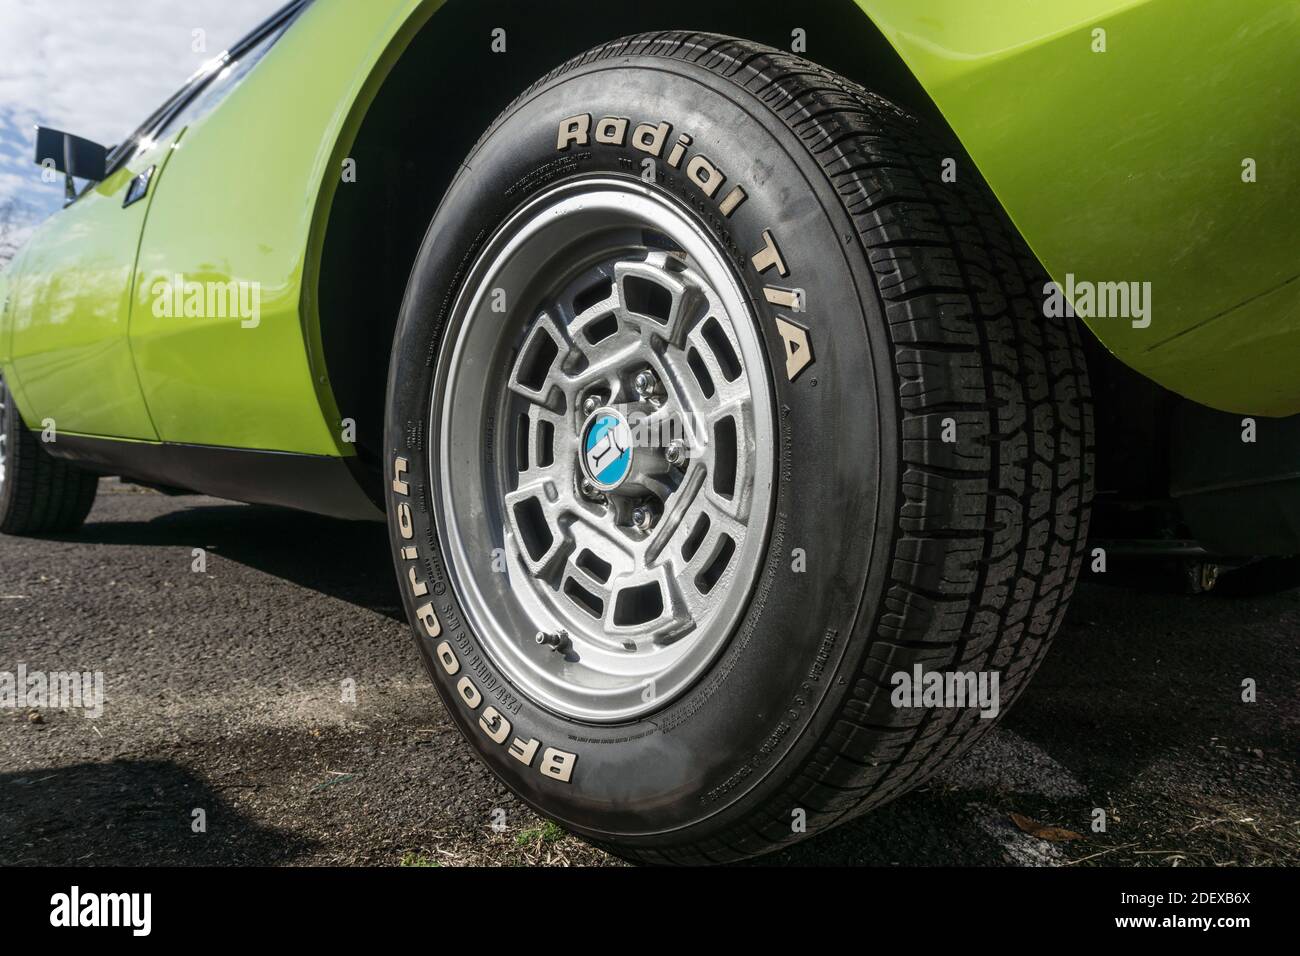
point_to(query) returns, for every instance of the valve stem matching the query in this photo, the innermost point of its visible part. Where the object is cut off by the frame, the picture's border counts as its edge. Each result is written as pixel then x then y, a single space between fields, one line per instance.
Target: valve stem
pixel 559 641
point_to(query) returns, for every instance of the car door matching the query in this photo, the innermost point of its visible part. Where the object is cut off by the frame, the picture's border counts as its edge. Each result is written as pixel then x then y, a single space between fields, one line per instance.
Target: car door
pixel 215 328
pixel 70 308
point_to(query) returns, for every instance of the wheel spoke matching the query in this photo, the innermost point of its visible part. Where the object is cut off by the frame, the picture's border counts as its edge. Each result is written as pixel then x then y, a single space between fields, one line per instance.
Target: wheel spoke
pixel 537 368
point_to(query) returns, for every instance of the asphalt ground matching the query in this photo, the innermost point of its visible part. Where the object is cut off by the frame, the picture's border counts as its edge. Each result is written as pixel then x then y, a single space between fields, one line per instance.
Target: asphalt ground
pixel 224 692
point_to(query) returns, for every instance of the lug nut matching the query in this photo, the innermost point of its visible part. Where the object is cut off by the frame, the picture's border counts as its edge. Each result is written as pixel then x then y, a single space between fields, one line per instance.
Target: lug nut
pixel 590 491
pixel 643 518
pixel 559 641
pixel 675 452
pixel 646 384
pixel 590 404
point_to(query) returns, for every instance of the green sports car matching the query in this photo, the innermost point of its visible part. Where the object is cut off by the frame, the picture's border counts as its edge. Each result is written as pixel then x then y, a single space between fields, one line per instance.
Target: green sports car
pixel 745 385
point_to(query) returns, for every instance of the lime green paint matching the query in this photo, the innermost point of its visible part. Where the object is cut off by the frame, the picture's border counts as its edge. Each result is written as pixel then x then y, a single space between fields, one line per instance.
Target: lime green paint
pixel 1127 165
pixel 238 205
pixel 245 200
pixel 70 352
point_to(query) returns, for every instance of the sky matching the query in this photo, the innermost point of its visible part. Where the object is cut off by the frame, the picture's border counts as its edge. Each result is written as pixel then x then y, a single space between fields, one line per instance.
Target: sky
pixel 98 68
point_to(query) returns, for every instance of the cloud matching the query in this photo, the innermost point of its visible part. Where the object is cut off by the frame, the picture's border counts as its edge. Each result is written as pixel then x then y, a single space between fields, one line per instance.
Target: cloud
pixel 97 68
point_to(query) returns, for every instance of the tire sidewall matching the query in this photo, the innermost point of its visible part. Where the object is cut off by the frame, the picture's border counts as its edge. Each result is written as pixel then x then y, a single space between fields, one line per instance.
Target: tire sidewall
pixel 741 732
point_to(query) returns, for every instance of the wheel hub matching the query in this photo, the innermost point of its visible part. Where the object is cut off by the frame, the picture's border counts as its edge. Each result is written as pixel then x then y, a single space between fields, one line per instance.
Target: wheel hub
pixel 620 454
pixel 606 449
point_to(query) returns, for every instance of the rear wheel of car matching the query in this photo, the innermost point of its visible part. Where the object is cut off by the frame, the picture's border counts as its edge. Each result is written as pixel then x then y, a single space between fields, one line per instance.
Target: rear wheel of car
pixel 714 408
pixel 39 494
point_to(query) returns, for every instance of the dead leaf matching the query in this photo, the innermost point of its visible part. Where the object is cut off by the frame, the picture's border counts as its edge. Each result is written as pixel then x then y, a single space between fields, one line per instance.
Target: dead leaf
pixel 1042 832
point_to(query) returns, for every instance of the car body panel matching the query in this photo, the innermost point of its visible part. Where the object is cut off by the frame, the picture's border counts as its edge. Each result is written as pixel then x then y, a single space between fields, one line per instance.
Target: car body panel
pixel 70 309
pixel 1127 165
pixel 246 183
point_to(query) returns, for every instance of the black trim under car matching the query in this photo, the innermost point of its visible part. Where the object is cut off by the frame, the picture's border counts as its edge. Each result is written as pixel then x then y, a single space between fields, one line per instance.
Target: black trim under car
pixel 316 483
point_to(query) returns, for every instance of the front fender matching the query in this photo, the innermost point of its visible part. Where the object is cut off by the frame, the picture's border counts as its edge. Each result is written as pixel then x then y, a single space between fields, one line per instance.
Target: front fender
pixel 1127 165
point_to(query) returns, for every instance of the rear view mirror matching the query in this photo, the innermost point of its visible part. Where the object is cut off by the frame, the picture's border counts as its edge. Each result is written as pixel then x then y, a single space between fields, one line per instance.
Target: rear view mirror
pixel 72 155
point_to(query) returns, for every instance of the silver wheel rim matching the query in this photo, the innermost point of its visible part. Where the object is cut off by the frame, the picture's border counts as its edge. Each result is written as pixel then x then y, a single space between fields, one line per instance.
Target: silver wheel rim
pixel 603 576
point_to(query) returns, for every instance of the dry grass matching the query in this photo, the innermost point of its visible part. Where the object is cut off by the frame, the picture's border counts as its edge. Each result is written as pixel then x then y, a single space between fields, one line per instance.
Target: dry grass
pixel 540 843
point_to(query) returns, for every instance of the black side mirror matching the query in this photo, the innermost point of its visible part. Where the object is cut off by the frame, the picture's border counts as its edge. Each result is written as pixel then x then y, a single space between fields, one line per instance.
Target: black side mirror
pixel 71 155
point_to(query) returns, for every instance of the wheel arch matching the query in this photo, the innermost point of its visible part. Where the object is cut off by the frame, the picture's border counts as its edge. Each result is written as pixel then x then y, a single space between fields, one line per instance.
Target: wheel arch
pixel 424 104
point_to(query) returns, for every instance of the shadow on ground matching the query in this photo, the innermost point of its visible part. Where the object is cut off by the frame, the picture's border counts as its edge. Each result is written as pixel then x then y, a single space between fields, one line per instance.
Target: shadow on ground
pixel 129 813
pixel 348 560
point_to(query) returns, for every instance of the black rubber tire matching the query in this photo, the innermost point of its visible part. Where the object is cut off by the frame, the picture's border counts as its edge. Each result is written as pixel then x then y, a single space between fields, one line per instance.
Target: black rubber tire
pixel 923 305
pixel 39 493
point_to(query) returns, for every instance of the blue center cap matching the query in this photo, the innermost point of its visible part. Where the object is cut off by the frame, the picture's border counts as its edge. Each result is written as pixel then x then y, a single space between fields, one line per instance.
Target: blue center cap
pixel 607 449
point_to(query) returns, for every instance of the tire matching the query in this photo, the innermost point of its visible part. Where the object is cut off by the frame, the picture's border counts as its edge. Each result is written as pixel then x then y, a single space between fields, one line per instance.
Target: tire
pixel 39 494
pixel 930 466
